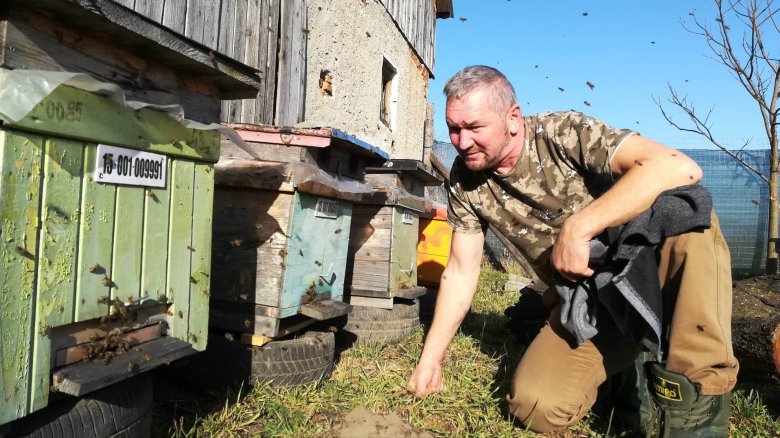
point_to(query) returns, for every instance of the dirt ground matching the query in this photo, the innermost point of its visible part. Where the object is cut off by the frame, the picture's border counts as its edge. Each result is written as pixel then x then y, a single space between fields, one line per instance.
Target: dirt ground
pixel 361 423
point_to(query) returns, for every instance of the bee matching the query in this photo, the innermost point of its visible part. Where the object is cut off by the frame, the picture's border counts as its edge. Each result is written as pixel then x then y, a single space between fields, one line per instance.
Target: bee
pixel 132 367
pixel 96 268
pixel 107 281
pixel 190 248
pixel 638 163
pixel 229 337
pixel 58 378
pixel 590 85
pixel 282 253
pixel 181 314
pixel 193 280
pixel 304 30
pixel 194 337
pixel 207 293
pixel 147 357
pixel 338 230
pixel 244 297
pixel 318 263
pixel 300 252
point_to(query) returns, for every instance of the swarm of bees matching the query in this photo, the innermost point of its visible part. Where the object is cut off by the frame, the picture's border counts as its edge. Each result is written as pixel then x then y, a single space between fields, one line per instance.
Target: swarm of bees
pixel 113 344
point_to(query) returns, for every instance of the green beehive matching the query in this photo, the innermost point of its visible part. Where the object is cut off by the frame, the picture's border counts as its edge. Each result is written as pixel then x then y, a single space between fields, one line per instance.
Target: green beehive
pixel 382 259
pixel 74 249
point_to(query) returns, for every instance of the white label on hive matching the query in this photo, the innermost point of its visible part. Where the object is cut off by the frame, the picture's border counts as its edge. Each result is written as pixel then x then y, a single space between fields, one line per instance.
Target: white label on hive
pixel 327 208
pixel 115 165
pixel 408 217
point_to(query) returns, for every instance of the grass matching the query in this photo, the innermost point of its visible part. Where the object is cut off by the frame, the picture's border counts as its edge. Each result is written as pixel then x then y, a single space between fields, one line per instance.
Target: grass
pixel 476 374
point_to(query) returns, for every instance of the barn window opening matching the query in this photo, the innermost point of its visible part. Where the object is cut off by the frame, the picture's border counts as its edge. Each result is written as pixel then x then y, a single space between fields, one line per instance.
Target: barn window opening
pixel 387 100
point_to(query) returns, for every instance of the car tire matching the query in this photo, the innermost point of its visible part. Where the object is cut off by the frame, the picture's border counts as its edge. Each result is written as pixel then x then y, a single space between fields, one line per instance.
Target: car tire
pixel 123 409
pixel 370 325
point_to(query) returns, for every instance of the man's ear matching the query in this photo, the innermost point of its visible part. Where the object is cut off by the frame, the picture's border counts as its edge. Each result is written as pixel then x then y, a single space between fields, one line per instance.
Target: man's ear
pixel 514 119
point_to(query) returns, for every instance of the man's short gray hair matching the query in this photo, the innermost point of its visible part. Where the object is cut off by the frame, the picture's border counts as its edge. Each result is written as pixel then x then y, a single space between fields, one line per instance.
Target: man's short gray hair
pixel 502 94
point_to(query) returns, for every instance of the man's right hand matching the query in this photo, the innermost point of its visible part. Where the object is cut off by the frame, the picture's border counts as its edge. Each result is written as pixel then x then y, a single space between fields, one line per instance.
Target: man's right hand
pixel 426 378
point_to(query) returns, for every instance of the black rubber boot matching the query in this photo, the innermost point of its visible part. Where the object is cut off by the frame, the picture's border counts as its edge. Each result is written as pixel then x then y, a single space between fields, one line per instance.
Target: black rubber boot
pixel 684 412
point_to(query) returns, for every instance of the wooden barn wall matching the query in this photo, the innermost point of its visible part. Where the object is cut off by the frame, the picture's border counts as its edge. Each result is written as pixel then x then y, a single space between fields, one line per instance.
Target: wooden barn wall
pixel 417 21
pixel 268 35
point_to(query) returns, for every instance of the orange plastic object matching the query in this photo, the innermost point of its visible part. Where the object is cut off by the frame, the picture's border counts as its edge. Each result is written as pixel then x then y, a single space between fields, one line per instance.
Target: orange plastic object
pixel 433 247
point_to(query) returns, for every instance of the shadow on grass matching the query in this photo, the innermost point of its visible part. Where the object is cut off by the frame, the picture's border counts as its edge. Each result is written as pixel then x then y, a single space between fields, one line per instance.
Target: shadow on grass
pixel 182 397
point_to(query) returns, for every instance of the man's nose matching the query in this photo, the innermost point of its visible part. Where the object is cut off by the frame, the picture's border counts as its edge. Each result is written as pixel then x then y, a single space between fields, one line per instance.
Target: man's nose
pixel 465 140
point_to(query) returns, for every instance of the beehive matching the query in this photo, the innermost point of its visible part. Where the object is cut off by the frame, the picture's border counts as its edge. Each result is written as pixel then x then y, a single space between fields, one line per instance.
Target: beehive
pixel 72 244
pixel 383 241
pixel 282 226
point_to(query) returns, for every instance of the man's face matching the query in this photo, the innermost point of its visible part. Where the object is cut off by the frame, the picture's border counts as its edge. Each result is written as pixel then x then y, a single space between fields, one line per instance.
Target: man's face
pixel 480 135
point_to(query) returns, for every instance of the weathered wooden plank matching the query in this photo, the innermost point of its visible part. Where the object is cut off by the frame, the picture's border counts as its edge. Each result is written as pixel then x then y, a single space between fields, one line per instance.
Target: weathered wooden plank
pixel 253 25
pixel 325 309
pixel 179 246
pixel 373 276
pixel 316 253
pixel 125 274
pixel 151 9
pixel 250 235
pixel 200 271
pixel 202 22
pixel 79 332
pixel 77 353
pixel 264 151
pixel 227 38
pixel 126 3
pixel 20 179
pixel 95 236
pixel 244 322
pixel 270 44
pixel 80 379
pixel 381 303
pixel 291 74
pixel 154 261
pixel 56 286
pixel 175 15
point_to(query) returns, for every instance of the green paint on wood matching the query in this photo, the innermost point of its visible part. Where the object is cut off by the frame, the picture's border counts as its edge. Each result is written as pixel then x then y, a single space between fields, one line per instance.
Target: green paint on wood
pixel 125 277
pixel 96 232
pixel 69 112
pixel 20 161
pixel 316 257
pixel 155 241
pixel 403 252
pixel 63 167
pixel 201 255
pixel 180 246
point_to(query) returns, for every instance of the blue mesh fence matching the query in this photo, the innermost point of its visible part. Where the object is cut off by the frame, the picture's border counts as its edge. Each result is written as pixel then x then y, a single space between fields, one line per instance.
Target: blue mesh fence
pixel 740 199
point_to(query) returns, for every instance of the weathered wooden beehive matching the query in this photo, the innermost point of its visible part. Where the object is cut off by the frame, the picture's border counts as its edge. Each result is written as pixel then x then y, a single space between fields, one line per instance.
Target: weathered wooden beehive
pixel 283 212
pixel 105 220
pixel 383 240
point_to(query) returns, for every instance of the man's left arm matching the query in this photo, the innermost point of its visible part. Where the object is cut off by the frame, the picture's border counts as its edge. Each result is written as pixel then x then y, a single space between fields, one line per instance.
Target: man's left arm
pixel 643 169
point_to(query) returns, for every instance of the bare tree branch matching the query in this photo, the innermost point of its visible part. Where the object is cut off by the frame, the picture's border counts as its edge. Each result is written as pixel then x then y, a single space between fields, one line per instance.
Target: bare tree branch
pixel 701 128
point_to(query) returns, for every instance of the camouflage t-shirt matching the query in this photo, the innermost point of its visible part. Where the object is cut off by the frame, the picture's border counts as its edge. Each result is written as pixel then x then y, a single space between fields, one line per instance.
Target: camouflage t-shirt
pixel 564 165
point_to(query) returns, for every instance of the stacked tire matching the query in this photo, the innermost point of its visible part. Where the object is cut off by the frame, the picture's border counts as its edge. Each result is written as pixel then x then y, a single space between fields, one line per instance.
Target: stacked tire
pixel 370 325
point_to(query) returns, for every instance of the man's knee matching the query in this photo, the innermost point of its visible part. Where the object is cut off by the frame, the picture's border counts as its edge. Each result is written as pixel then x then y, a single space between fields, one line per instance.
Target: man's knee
pixel 545 412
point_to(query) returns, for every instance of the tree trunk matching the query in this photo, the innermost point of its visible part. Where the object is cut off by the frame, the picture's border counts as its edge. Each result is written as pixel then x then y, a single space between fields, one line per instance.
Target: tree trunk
pixel 772 265
pixel 756 328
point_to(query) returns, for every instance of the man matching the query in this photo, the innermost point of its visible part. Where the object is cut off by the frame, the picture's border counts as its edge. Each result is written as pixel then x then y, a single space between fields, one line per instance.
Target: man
pixel 551 183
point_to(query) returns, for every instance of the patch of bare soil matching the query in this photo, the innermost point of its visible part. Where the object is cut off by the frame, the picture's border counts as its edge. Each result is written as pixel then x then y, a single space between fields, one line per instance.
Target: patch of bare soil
pixel 756 327
pixel 361 423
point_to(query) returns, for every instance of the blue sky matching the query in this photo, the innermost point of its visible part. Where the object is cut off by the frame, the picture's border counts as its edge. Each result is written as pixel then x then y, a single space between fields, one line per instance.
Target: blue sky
pixel 630 50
